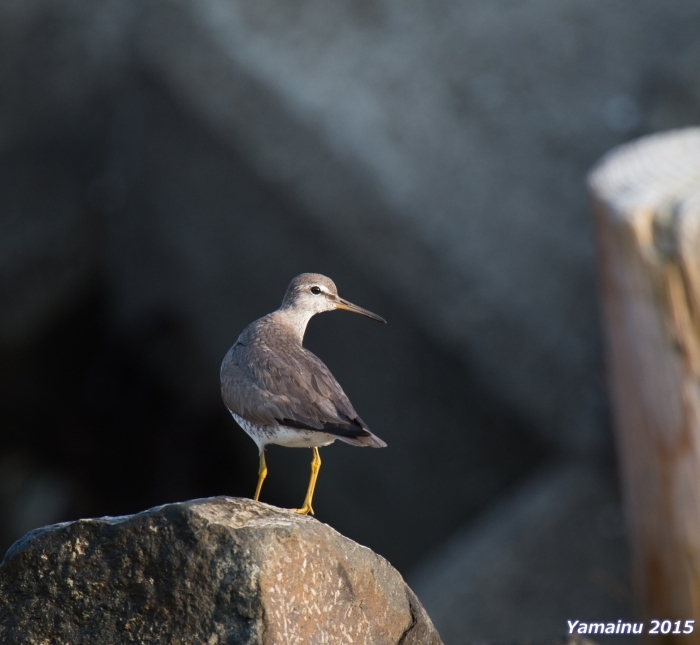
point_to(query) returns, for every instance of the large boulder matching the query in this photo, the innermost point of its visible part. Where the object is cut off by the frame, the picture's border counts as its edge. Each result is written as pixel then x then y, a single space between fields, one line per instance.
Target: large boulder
pixel 213 571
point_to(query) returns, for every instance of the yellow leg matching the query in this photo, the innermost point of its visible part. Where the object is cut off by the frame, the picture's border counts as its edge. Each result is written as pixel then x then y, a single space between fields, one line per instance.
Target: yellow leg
pixel 262 473
pixel 315 467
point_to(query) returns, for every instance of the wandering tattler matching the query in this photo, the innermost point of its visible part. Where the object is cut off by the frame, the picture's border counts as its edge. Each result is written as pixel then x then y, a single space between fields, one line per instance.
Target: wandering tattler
pixel 281 393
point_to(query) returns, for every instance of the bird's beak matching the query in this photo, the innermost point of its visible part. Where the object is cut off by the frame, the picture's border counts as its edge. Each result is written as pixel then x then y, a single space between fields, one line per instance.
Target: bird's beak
pixel 341 303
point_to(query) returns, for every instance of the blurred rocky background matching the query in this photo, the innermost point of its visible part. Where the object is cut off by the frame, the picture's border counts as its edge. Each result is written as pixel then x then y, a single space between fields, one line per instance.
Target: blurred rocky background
pixel 166 167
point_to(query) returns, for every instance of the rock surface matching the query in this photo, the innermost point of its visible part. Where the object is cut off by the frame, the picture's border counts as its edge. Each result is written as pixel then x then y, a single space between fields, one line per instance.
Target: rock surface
pixel 219 570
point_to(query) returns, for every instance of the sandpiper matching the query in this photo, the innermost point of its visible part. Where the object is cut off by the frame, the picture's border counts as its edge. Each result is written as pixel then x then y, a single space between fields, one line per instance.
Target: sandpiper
pixel 281 393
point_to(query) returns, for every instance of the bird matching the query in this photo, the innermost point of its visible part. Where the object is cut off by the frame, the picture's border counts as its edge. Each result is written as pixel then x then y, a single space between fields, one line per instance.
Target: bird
pixel 281 393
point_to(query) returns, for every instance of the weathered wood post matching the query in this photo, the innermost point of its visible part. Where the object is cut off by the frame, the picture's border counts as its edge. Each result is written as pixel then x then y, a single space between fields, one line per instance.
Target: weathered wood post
pixel 647 212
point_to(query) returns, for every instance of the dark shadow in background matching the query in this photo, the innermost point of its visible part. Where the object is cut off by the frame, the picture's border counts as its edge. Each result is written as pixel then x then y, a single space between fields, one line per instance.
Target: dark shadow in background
pixel 113 411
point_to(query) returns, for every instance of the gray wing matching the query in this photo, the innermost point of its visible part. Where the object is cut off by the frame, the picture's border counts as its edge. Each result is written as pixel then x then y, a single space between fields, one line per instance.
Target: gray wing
pixel 297 391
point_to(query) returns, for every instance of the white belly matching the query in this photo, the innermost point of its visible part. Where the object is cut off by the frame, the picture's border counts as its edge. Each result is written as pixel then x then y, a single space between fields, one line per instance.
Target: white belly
pixel 283 435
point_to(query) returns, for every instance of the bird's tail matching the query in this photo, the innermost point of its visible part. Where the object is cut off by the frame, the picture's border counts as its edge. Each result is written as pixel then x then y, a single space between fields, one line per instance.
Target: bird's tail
pixel 367 441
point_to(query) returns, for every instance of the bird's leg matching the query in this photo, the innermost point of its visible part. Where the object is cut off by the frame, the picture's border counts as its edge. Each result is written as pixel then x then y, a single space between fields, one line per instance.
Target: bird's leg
pixel 262 473
pixel 315 467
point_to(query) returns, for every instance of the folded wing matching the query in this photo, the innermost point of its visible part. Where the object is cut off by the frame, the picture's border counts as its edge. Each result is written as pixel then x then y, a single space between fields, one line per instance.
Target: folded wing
pixel 298 392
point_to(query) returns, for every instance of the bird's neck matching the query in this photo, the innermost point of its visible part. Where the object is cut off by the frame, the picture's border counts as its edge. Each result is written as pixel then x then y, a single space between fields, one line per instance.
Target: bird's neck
pixel 293 320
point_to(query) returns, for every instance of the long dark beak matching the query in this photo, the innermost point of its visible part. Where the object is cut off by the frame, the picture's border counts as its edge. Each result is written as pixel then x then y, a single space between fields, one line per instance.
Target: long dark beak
pixel 341 303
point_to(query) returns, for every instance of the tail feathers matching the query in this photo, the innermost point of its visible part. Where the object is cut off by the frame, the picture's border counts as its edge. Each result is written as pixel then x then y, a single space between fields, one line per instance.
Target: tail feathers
pixel 360 434
pixel 354 431
pixel 366 441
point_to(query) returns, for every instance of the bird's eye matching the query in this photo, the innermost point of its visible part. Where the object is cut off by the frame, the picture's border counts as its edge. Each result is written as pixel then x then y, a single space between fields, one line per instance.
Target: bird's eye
pixel 315 290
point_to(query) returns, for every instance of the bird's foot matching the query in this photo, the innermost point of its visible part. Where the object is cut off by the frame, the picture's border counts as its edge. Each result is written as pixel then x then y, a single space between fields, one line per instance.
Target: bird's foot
pixel 305 509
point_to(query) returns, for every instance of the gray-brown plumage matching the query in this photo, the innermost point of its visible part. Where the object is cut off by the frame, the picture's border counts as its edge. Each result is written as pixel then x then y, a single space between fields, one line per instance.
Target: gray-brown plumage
pixel 281 393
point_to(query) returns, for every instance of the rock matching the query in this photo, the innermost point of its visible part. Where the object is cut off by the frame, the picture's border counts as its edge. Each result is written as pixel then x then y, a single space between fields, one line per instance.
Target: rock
pixel 220 570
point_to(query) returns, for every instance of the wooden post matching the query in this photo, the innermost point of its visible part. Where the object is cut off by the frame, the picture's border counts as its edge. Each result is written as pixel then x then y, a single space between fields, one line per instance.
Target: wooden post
pixel 647 212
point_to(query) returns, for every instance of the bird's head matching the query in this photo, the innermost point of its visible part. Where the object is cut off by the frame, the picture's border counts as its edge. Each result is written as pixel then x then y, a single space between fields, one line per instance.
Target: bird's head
pixel 313 293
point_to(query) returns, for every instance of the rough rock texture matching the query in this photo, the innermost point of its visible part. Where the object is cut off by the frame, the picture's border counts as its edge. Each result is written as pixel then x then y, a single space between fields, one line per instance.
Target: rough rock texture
pixel 211 571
